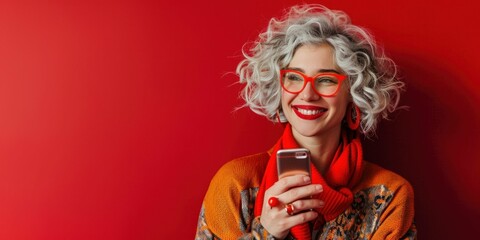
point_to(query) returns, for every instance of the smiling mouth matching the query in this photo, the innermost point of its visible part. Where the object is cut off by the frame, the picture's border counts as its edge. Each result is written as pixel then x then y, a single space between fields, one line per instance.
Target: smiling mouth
pixel 308 112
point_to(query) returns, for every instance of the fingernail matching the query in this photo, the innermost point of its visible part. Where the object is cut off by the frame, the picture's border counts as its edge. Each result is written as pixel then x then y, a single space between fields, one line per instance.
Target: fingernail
pixel 319 188
pixel 322 203
pixel 306 179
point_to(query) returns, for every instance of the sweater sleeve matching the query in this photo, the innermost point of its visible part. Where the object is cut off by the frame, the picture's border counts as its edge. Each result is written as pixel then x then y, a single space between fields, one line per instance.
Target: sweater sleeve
pixel 227 209
pixel 397 220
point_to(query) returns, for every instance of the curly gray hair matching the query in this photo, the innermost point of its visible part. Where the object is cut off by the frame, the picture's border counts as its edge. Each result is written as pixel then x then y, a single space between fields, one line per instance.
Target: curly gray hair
pixel 373 84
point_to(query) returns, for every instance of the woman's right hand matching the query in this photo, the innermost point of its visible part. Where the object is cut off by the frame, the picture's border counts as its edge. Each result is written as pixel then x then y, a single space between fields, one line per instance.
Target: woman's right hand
pixel 295 190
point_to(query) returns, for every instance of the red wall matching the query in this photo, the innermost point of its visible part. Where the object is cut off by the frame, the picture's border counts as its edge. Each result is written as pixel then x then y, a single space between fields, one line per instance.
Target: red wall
pixel 114 116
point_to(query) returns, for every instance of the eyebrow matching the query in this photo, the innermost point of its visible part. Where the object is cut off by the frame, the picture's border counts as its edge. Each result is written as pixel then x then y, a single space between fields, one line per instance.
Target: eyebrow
pixel 319 71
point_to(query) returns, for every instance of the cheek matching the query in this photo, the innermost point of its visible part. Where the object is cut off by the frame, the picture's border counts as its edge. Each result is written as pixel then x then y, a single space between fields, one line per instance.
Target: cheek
pixel 341 103
pixel 286 98
pixel 344 90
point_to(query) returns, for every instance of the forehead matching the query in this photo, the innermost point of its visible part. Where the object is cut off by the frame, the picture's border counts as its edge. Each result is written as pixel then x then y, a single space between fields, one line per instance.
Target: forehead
pixel 313 57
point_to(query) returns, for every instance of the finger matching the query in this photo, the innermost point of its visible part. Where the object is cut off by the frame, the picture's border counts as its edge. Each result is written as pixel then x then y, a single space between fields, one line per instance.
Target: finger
pixel 300 192
pixel 286 183
pixel 300 218
pixel 306 205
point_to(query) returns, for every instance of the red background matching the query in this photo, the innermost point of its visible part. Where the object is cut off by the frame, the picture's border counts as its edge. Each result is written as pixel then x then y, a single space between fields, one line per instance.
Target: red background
pixel 114 116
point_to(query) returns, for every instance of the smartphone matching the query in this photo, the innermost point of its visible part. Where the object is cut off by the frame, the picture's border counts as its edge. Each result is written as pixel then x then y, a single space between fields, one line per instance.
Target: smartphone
pixel 293 162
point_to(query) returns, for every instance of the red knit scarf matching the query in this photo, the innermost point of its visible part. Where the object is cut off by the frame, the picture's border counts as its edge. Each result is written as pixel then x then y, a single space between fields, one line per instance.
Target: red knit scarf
pixel 344 172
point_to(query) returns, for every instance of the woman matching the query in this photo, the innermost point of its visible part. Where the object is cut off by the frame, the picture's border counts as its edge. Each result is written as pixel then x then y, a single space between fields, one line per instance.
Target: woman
pixel 326 80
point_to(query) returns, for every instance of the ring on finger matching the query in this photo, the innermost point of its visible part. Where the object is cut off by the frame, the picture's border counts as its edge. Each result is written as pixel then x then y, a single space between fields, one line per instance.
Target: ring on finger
pixel 289 208
pixel 273 201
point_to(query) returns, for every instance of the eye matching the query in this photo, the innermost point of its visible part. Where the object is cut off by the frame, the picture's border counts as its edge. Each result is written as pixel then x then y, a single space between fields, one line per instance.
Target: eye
pixel 326 80
pixel 293 77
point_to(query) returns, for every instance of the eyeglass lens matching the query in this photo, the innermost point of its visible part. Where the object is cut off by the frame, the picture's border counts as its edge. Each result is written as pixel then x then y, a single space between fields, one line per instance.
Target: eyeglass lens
pixel 325 84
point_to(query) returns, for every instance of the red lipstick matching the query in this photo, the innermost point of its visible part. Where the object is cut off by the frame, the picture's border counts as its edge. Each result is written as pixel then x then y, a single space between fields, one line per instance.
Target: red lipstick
pixel 308 112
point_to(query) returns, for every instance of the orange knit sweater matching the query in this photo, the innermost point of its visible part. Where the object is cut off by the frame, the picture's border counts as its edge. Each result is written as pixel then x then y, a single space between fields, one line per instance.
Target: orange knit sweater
pixel 382 207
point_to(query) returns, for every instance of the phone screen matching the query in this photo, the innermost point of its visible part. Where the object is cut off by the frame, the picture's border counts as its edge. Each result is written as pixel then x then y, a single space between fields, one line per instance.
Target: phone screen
pixel 293 162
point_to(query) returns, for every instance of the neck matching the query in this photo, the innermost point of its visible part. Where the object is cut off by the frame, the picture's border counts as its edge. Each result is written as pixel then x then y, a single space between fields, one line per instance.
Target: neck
pixel 322 147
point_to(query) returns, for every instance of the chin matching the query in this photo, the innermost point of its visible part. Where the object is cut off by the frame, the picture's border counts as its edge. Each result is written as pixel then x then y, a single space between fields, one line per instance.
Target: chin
pixel 307 131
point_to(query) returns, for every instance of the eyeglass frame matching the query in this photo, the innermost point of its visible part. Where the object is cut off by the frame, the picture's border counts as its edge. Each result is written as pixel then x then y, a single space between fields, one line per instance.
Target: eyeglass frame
pixel 308 79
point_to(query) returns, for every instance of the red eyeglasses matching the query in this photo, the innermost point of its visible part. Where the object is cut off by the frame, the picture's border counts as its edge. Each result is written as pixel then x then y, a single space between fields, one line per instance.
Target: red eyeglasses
pixel 324 84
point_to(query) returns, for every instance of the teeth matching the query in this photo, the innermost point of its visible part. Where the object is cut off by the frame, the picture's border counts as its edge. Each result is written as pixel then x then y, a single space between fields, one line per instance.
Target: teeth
pixel 308 112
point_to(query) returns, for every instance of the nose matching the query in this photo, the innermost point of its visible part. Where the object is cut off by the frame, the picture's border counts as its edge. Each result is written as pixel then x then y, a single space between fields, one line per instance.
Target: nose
pixel 308 94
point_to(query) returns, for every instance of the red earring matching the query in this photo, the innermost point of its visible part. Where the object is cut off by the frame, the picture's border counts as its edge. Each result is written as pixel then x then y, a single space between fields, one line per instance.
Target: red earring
pixel 353 116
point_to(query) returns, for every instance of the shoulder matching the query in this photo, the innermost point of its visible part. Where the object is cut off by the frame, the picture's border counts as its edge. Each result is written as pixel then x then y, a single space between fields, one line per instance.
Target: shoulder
pixel 385 189
pixel 374 175
pixel 244 172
